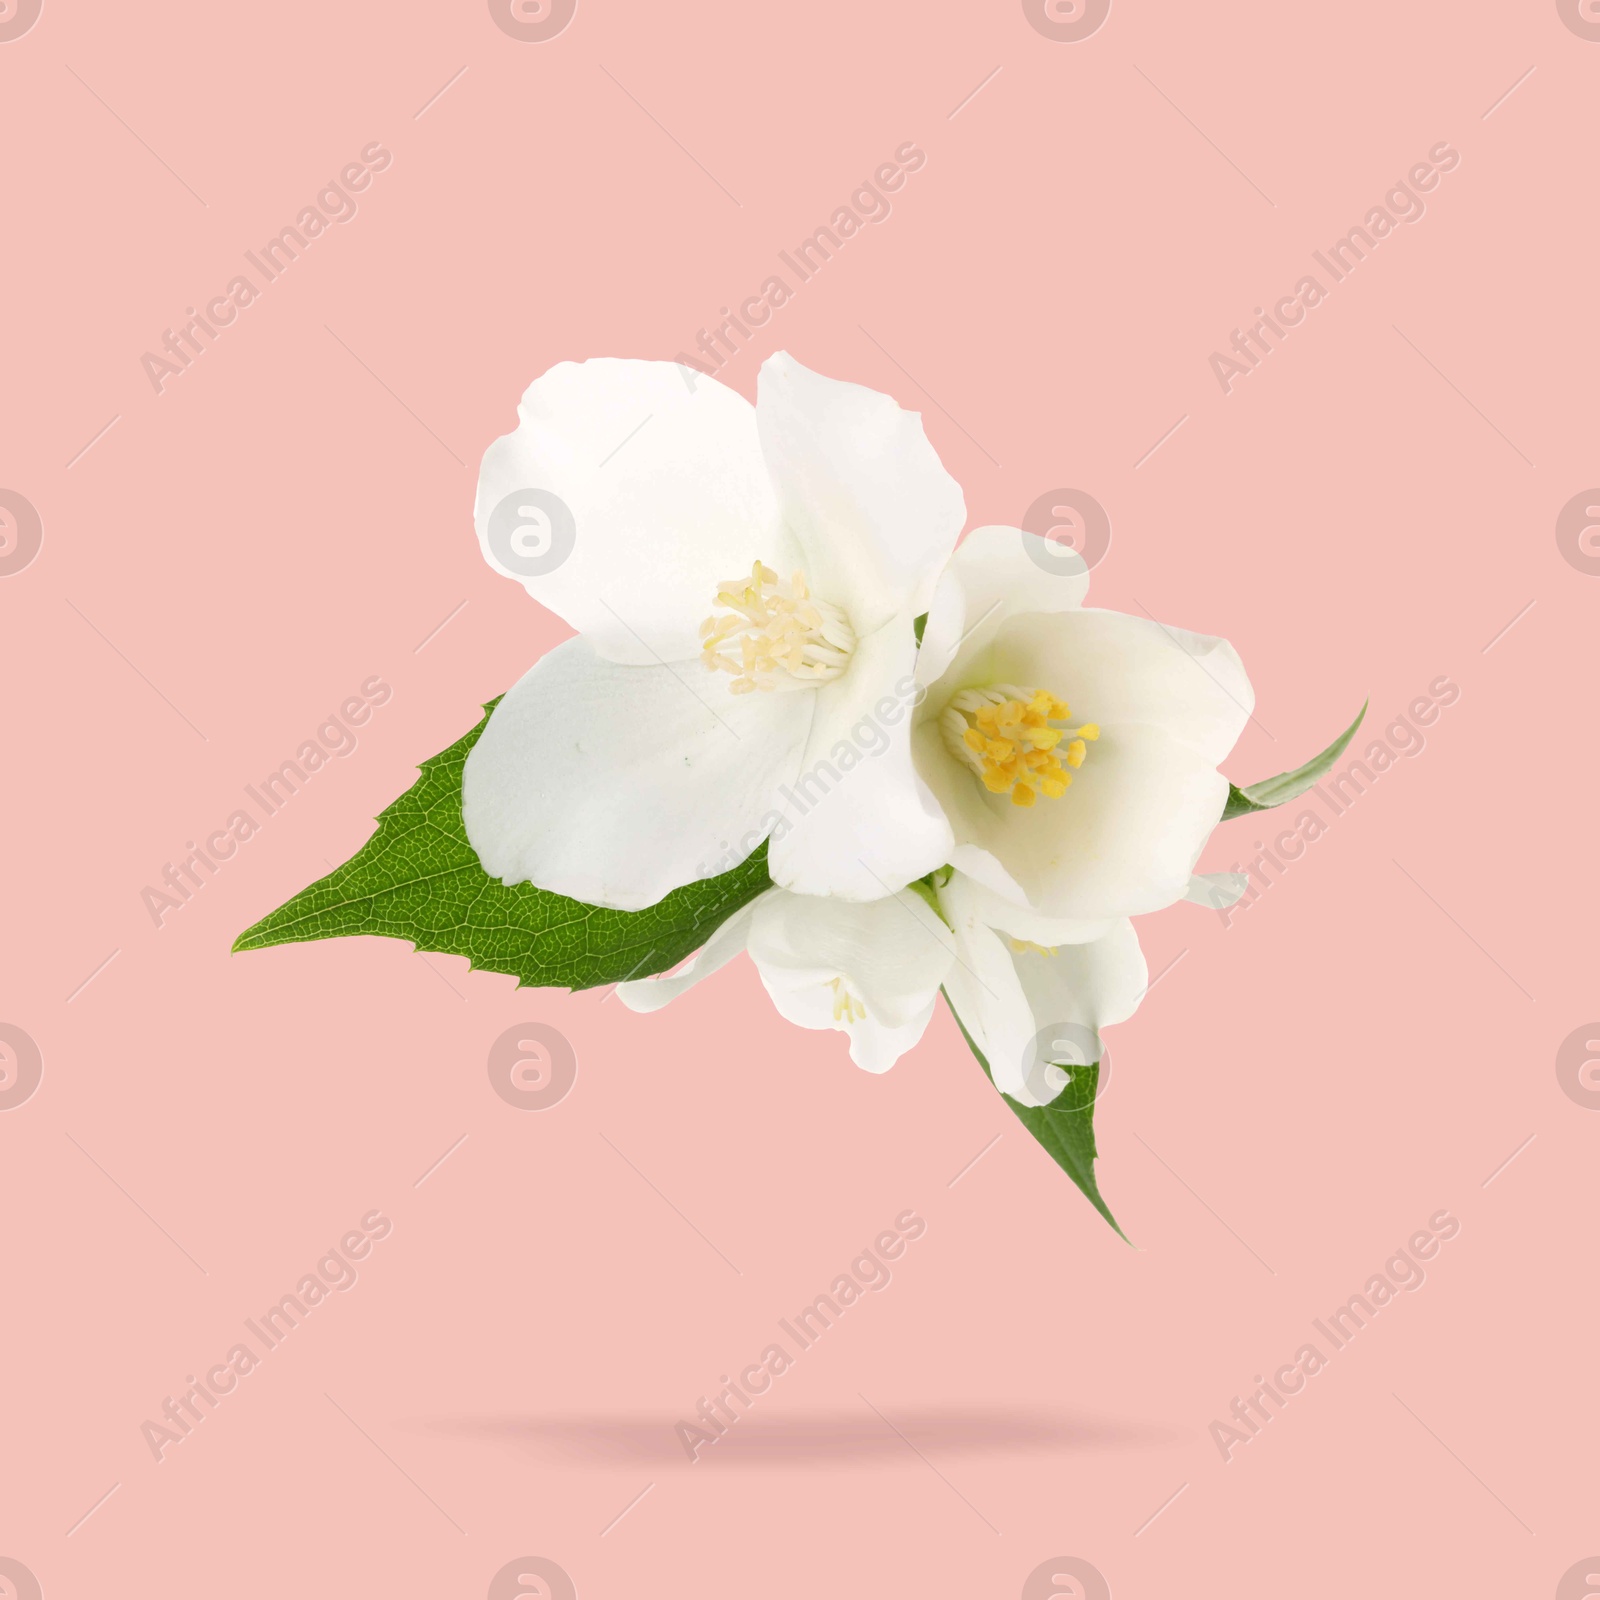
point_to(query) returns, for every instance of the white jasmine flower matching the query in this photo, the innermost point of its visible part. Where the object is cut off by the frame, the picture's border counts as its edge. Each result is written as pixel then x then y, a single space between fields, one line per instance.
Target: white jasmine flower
pixel 1074 752
pixel 1034 991
pixel 871 970
pixel 743 581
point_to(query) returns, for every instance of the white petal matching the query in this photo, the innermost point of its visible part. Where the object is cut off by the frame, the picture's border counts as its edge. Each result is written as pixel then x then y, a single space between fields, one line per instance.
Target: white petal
pixel 1073 994
pixel 859 821
pixel 861 489
pixel 875 1046
pixel 944 631
pixel 891 956
pixel 996 573
pixel 965 994
pixel 987 995
pixel 624 497
pixel 966 897
pixel 1125 837
pixel 1219 890
pixel 1115 669
pixel 1030 1012
pixel 650 994
pixel 1123 840
pixel 616 785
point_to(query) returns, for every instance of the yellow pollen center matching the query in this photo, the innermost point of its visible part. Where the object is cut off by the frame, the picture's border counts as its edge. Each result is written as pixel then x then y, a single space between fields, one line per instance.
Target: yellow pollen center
pixel 1014 740
pixel 846 1008
pixel 770 634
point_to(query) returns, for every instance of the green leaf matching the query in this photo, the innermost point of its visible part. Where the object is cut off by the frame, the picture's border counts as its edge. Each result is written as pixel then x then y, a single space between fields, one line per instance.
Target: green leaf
pixel 1287 785
pixel 418 878
pixel 1065 1127
pixel 917 626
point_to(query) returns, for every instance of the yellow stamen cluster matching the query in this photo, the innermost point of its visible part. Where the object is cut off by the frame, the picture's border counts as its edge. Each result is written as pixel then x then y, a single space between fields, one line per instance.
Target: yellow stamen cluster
pixel 773 635
pixel 1012 741
pixel 846 1008
pixel 1022 946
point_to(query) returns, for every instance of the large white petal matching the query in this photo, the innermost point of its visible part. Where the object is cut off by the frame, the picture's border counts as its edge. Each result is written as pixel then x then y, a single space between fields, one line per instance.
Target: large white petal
pixel 1123 840
pixel 858 822
pixel 660 493
pixel 891 955
pixel 650 994
pixel 616 785
pixel 860 488
pixel 1116 669
pixel 996 573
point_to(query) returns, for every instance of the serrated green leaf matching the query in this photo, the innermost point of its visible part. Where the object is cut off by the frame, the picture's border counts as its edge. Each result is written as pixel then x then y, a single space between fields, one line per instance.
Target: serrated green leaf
pixel 1272 792
pixel 417 878
pixel 1065 1127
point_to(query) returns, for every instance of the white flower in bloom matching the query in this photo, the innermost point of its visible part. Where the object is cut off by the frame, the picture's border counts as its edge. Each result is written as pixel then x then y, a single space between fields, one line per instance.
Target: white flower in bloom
pixel 1034 991
pixel 743 581
pixel 1074 752
pixel 871 970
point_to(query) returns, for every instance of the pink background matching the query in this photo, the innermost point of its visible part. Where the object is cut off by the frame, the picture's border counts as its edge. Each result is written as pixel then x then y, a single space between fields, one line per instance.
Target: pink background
pixel 1368 1043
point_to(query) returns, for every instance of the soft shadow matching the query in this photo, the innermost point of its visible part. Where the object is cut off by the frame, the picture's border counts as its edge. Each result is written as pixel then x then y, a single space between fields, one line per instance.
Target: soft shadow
pixel 800 1439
